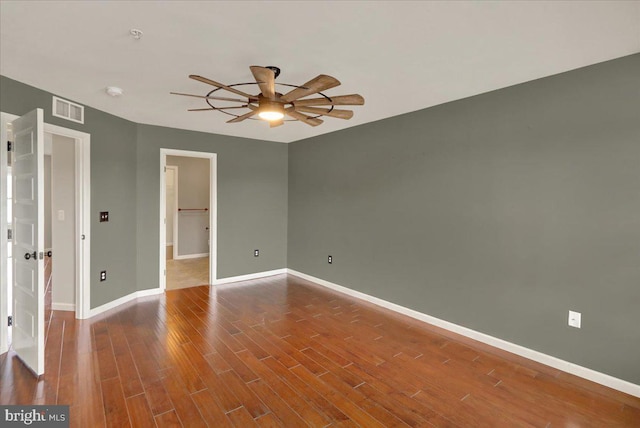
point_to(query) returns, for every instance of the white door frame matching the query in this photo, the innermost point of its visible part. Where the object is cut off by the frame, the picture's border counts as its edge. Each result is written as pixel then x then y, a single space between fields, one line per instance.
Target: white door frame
pixel 82 212
pixel 4 286
pixel 213 212
pixel 174 226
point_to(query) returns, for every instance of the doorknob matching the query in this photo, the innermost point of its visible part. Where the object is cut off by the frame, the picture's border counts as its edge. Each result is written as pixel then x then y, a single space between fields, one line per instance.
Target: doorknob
pixel 29 255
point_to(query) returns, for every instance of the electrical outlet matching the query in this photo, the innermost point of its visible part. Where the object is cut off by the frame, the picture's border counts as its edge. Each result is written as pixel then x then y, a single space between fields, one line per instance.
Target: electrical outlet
pixel 256 253
pixel 575 319
pixel 103 275
pixel 104 216
pixel 330 260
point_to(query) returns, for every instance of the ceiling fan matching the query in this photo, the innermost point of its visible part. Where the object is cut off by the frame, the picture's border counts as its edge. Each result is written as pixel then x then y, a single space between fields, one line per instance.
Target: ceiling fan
pixel 273 106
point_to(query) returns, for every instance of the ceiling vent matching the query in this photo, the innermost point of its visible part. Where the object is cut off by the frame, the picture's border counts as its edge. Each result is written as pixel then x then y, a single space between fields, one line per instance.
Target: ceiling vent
pixel 68 110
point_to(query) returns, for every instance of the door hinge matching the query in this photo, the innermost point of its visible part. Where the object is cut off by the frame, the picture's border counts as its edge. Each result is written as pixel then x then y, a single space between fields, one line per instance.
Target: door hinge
pixel 9 234
pixel 165 272
pixel 10 321
pixel 9 145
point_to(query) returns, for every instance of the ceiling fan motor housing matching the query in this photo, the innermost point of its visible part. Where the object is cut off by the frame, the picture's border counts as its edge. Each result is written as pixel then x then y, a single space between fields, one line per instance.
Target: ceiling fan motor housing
pixel 267 105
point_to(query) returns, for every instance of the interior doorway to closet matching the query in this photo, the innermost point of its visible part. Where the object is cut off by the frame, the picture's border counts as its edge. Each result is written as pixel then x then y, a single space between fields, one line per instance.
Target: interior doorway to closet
pixel 187 212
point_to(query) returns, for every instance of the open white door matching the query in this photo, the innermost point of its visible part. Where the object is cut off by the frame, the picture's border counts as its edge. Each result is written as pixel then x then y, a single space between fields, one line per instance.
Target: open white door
pixel 28 239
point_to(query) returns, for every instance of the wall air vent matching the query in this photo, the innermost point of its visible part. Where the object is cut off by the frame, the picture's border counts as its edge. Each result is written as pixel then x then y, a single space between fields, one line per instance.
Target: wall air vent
pixel 68 110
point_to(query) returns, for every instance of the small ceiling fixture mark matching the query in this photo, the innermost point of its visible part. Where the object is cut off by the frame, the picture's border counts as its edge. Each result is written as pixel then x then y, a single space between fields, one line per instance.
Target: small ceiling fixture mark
pixel 137 34
pixel 114 91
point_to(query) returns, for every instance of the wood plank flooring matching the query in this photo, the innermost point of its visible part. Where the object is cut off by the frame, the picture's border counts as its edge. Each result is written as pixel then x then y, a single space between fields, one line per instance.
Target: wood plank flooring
pixel 283 352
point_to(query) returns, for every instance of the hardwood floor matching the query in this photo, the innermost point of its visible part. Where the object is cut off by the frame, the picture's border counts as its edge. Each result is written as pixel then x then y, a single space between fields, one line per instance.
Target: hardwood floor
pixel 284 352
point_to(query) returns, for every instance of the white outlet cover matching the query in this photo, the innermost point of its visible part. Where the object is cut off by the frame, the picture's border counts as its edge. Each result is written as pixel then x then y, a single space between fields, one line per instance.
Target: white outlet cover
pixel 61 215
pixel 575 319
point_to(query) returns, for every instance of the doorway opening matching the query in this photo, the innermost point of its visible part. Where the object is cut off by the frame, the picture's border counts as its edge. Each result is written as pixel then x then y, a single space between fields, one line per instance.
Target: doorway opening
pixel 60 241
pixel 74 162
pixel 188 218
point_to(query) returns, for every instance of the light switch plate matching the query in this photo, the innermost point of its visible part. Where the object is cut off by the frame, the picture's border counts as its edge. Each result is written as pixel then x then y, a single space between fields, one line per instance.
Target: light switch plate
pixel 575 319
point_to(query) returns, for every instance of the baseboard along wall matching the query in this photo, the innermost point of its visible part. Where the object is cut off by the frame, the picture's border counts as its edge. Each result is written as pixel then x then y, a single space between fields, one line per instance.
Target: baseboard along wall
pixel 566 366
pixel 63 306
pixel 250 276
pixel 191 256
pixel 122 300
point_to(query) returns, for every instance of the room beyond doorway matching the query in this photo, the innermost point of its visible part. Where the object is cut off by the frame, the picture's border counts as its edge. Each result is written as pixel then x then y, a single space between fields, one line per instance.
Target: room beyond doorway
pixel 61 243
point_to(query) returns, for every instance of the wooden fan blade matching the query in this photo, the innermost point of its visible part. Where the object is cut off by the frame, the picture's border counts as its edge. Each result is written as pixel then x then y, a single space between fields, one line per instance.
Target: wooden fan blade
pixel 215 108
pixel 237 100
pixel 220 85
pixel 341 100
pixel 266 79
pixel 340 114
pixel 275 123
pixel 243 117
pixel 312 121
pixel 315 85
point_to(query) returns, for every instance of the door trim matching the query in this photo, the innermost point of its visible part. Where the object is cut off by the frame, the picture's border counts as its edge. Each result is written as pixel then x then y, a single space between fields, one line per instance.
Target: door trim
pixel 4 120
pixel 213 212
pixel 83 219
pixel 174 226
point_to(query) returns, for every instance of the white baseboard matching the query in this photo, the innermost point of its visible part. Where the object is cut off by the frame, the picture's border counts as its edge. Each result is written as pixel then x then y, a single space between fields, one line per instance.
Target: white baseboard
pixel 153 291
pixel 124 299
pixel 63 306
pixel 148 292
pixel 247 277
pixel 191 256
pixel 566 366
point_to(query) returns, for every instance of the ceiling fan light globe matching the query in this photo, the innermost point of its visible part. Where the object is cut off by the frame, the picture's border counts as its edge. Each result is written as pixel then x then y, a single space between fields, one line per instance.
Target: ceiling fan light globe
pixel 271 115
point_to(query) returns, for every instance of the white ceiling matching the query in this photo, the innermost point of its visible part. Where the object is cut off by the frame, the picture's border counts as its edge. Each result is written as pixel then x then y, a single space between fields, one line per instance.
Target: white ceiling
pixel 401 56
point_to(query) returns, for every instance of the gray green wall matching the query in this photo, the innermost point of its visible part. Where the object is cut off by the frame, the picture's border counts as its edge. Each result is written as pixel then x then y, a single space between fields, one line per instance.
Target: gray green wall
pixel 499 212
pixel 252 200
pixel 125 171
